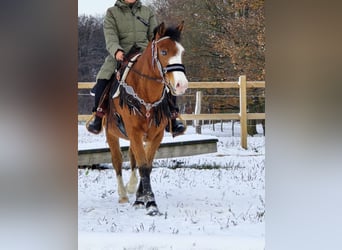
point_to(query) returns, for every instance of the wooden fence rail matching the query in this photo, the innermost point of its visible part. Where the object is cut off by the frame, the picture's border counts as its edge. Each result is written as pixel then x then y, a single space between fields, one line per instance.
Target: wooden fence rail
pixel 242 116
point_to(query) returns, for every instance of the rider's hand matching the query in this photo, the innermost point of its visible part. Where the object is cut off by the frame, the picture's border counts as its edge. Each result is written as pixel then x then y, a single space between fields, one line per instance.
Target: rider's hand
pixel 119 55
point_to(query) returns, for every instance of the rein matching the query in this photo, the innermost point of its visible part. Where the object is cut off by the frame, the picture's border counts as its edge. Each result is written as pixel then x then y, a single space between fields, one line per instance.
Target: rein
pixel 146 76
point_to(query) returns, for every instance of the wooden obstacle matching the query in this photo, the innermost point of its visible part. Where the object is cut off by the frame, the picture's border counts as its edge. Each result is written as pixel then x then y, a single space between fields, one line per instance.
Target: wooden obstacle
pixel 168 149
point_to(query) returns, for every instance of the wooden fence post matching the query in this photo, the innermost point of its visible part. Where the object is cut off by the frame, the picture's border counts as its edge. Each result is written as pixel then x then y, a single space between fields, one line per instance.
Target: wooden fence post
pixel 243 111
pixel 198 111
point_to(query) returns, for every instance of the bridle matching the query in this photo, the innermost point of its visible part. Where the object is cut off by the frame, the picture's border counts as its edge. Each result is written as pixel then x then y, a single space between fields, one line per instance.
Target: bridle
pixel 162 70
pixel 168 68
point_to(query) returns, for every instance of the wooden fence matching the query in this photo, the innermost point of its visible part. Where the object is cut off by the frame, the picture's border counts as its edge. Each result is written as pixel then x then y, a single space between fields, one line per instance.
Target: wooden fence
pixel 242 116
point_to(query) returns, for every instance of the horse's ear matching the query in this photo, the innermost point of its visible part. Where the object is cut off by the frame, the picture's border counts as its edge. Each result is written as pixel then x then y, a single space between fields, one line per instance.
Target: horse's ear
pixel 160 31
pixel 180 26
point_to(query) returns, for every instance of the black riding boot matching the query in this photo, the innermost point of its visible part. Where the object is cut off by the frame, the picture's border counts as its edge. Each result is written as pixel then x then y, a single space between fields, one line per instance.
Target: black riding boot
pixel 177 127
pixel 95 126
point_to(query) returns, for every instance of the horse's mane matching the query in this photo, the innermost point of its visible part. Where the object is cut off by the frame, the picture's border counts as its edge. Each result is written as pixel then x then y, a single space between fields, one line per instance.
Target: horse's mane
pixel 172 32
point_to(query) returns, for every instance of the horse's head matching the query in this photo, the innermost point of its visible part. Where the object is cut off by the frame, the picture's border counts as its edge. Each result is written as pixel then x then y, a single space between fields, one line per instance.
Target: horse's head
pixel 167 53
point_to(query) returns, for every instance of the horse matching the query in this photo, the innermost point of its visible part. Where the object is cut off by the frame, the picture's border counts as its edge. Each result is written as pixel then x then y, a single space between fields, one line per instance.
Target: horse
pixel 140 112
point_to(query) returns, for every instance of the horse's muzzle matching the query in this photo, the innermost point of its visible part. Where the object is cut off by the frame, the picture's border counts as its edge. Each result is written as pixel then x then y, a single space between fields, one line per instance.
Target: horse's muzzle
pixel 179 88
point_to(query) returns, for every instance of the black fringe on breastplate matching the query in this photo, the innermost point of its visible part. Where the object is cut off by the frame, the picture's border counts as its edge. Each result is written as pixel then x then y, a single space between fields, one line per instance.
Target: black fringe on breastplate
pixel 158 113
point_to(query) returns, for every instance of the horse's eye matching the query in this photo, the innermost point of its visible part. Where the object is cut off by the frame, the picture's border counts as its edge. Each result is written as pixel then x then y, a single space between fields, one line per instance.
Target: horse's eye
pixel 163 52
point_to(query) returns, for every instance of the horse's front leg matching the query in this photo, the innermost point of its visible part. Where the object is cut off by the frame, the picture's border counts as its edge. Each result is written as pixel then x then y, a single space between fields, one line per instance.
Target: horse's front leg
pixel 150 150
pixel 131 186
pixel 145 183
pixel 151 147
pixel 140 197
pixel 144 194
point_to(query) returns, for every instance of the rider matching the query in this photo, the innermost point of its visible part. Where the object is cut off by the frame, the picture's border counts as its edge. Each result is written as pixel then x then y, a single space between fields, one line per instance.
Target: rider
pixel 127 23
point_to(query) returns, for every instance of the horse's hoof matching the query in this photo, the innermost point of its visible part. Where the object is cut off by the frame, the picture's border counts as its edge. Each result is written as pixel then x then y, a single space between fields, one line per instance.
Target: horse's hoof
pixel 138 205
pixel 123 200
pixel 153 211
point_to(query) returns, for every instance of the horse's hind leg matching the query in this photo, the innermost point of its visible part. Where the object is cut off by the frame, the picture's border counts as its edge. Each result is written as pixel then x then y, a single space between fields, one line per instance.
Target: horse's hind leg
pixel 114 146
pixel 131 186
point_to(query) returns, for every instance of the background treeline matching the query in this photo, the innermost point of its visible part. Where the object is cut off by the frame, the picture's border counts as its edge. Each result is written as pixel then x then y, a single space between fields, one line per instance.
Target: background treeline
pixel 91 47
pixel 222 39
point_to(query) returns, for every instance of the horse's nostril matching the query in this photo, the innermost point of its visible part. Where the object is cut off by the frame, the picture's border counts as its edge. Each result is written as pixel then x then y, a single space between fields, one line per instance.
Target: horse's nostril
pixel 177 85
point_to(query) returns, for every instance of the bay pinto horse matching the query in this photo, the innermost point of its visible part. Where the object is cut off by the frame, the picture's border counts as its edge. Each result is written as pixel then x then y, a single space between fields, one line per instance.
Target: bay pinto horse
pixel 143 110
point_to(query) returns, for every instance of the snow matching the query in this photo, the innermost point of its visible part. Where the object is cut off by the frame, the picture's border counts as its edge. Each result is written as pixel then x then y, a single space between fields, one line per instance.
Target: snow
pixel 209 201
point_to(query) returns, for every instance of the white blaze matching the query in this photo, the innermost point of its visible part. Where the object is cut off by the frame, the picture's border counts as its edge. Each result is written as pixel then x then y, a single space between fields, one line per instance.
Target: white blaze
pixel 181 82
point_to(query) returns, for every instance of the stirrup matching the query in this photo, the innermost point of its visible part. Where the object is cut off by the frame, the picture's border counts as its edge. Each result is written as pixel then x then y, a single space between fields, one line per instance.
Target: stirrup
pixel 89 125
pixel 177 133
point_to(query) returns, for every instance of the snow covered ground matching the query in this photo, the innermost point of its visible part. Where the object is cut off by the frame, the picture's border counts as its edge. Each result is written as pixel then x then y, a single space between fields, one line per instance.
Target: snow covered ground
pixel 209 201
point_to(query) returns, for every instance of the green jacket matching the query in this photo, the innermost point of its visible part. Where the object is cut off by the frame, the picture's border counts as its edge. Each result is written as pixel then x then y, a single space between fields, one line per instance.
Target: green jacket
pixel 122 29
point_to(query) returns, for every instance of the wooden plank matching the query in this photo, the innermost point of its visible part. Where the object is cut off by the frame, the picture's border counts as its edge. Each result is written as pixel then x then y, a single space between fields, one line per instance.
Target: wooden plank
pixel 88 157
pixel 224 85
pixel 94 158
pixel 199 85
pixel 83 118
pixel 256 116
pixel 243 111
pixel 255 84
pixel 220 116
pixel 192 85
pixel 212 85
pixel 191 117
pixel 86 85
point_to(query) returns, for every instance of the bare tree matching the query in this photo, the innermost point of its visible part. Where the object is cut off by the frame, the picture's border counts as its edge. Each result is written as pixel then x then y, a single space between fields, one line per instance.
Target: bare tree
pixel 91 47
pixel 239 29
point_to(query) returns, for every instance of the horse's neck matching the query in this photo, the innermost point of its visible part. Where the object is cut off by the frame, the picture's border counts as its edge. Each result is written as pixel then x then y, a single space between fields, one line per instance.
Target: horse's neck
pixel 149 87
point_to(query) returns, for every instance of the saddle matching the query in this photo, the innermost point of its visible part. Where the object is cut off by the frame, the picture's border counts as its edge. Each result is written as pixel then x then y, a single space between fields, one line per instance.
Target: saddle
pixel 111 89
pixel 114 81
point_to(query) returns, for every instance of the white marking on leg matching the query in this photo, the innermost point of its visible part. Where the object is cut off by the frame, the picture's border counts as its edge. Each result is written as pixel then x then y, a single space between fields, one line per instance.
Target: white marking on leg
pixel 131 186
pixel 123 198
